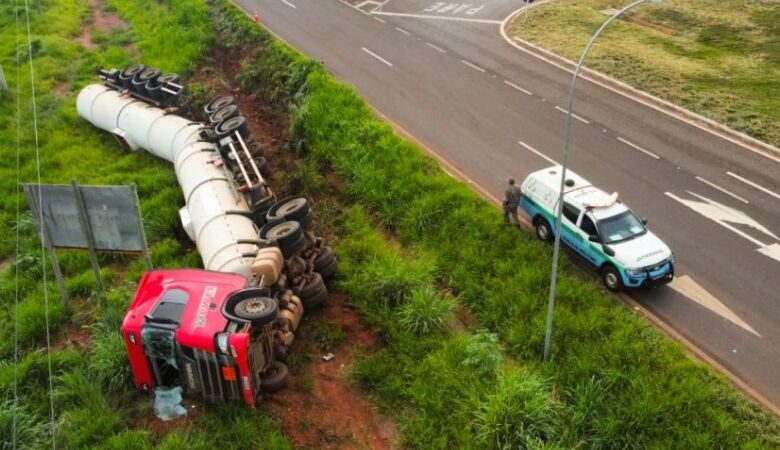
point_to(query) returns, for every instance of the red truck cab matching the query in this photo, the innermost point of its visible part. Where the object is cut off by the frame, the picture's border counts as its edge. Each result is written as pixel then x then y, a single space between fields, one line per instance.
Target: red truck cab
pixel 181 329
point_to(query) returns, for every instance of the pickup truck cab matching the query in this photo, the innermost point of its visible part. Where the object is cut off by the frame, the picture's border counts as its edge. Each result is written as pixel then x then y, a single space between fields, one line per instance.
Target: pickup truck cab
pixel 598 227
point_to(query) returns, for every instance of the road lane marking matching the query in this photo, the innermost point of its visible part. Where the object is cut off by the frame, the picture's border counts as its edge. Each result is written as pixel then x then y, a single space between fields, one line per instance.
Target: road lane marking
pixel 379 20
pixel 725 191
pixel 565 111
pixel 636 147
pixel 538 153
pixel 403 31
pixel 424 16
pixel 377 57
pixel 289 4
pixel 438 49
pixel 724 215
pixel 755 185
pixel 694 291
pixel 473 66
pixel 524 91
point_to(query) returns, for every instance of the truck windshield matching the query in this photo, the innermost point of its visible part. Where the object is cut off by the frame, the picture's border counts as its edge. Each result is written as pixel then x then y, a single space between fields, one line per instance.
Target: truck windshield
pixel 621 227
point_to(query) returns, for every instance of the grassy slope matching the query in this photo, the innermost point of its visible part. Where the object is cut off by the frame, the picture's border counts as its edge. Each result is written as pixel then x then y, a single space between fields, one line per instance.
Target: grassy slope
pixel 624 384
pixel 718 58
pixel 95 405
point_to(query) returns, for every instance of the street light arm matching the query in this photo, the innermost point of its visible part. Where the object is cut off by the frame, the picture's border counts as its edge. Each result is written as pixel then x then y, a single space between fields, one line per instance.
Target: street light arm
pixel 566 139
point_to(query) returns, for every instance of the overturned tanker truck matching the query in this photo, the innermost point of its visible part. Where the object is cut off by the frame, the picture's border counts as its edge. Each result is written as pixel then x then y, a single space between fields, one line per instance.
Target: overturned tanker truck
pixel 223 332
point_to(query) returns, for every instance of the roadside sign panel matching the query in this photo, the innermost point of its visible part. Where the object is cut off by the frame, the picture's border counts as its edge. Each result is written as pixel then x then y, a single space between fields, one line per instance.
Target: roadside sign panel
pixel 111 211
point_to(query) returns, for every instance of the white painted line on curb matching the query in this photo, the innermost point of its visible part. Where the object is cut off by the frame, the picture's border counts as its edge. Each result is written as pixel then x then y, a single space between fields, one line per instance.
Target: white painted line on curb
pixel 289 4
pixel 636 147
pixel 755 185
pixel 524 91
pixel 403 31
pixel 573 115
pixel 423 16
pixel 473 66
pixel 379 20
pixel 538 153
pixel 377 57
pixel 725 191
pixel 438 49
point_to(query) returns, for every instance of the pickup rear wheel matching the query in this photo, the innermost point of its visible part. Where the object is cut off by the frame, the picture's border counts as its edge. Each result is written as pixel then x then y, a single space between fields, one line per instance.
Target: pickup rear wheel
pixel 611 278
pixel 543 230
pixel 258 310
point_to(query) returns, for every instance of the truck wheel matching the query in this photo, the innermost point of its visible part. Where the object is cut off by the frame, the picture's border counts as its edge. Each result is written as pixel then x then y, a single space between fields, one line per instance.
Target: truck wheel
pixel 219 103
pixel 330 270
pixel 237 123
pixel 543 230
pixel 310 303
pixel 611 278
pixel 291 208
pixel 285 233
pixel 224 113
pixel 275 379
pixel 258 310
pixel 324 259
pixel 314 286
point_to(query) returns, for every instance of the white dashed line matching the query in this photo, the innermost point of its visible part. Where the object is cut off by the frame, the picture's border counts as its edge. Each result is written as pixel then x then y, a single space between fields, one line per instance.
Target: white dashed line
pixel 473 66
pixel 423 16
pixel 379 20
pixel 725 191
pixel 585 121
pixel 438 49
pixel 403 31
pixel 538 153
pixel 755 185
pixel 636 147
pixel 524 91
pixel 377 57
pixel 289 4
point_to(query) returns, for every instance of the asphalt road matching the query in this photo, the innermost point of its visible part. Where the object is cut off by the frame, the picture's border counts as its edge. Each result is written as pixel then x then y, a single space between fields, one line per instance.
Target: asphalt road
pixel 448 78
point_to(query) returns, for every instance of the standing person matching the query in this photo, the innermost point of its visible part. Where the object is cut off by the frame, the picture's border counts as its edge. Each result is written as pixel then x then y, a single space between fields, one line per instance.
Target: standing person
pixel 511 202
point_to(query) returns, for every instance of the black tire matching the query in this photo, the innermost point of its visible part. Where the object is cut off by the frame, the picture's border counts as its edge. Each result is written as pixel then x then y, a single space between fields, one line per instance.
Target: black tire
pixel 218 103
pixel 234 124
pixel 263 166
pixel 127 75
pixel 154 86
pixel 283 232
pixel 311 303
pixel 290 250
pixel 306 220
pixel 255 149
pixel 543 230
pixel 330 270
pixel 312 288
pixel 324 258
pixel 275 379
pixel 140 80
pixel 611 278
pixel 290 208
pixel 224 113
pixel 258 310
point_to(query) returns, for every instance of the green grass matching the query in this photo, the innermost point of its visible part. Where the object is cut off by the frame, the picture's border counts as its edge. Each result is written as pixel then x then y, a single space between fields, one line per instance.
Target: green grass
pixel 95 404
pixel 626 384
pixel 718 58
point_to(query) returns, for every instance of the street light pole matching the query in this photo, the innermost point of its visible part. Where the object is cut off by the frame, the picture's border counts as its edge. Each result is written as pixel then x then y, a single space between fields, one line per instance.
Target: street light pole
pixel 566 139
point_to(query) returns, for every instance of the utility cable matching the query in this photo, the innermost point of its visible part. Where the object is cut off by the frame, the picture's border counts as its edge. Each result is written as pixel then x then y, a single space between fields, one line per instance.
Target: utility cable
pixel 18 217
pixel 42 224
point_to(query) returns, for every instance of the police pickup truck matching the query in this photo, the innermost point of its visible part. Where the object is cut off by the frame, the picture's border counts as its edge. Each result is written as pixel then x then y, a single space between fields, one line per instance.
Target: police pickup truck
pixel 599 228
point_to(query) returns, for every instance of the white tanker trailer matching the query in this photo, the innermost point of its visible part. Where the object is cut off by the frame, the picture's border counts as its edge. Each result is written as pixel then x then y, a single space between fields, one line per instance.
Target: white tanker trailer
pixel 219 332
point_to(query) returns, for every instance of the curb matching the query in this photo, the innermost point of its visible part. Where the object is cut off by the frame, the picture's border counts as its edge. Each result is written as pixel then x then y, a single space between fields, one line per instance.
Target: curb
pixel 757 146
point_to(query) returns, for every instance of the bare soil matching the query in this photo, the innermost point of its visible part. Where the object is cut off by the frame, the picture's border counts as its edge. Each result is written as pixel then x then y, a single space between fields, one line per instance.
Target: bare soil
pixel 100 20
pixel 320 408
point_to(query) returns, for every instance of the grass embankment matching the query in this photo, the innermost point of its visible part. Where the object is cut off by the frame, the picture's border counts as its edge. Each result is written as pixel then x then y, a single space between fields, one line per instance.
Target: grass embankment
pixel 618 382
pixel 718 58
pixel 95 404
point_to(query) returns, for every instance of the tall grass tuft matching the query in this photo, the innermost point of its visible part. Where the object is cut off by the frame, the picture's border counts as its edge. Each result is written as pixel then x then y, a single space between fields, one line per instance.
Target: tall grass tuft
pixel 425 310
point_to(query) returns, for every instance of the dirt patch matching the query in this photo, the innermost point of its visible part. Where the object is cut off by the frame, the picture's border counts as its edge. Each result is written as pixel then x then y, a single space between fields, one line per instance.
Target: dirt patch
pixel 76 338
pixel 320 408
pixel 62 88
pixel 100 20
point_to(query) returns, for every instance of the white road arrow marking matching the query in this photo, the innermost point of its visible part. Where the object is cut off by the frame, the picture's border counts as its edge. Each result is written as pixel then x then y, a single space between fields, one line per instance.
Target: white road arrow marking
pixel 726 215
pixel 691 289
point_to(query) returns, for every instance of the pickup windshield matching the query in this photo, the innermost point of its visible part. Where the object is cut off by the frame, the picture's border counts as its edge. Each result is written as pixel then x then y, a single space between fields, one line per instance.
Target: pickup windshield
pixel 621 227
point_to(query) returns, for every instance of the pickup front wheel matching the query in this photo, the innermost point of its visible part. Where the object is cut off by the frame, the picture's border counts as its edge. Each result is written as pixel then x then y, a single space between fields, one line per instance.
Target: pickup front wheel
pixel 611 278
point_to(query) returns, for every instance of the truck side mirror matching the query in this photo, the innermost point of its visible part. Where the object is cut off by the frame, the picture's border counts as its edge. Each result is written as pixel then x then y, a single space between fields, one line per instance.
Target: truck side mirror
pixel 608 250
pixel 644 220
pixel 593 238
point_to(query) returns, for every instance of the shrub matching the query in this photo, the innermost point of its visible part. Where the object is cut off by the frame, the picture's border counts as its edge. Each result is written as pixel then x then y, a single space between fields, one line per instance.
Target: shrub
pixel 425 310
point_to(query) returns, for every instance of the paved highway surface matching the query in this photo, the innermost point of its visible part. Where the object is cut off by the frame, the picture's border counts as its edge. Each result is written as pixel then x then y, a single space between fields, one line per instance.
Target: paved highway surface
pixel 446 76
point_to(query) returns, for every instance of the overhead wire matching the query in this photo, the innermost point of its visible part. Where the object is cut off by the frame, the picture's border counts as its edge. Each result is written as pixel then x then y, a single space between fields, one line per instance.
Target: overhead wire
pixel 42 225
pixel 18 217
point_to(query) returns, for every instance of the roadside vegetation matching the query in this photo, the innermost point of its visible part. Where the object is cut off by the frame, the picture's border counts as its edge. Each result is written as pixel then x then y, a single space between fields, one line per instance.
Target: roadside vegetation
pixel 619 382
pixel 720 59
pixel 458 298
pixel 95 404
